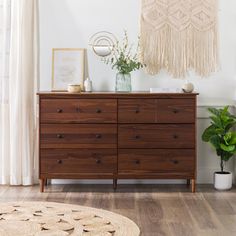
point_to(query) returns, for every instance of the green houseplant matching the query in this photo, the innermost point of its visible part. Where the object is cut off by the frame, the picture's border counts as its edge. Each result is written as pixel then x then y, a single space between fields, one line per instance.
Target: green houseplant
pixel 221 136
pixel 125 60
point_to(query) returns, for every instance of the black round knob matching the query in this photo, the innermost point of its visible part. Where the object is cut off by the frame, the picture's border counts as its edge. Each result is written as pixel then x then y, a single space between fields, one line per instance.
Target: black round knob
pixel 137 111
pixel 98 161
pixel 175 136
pixel 59 110
pixel 59 136
pixel 98 136
pixel 137 137
pixel 98 110
pixel 59 161
pixel 137 162
pixel 175 161
pixel 175 111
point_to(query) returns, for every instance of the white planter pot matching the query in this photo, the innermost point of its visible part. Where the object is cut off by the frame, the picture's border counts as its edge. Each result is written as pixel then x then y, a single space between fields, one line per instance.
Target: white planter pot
pixel 223 181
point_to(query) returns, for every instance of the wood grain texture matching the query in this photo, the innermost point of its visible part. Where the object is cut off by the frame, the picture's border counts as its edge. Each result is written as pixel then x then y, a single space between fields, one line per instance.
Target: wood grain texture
pixel 78 111
pixel 168 210
pixel 78 136
pixel 137 110
pixel 156 136
pixel 77 161
pixel 153 161
pixel 179 111
pixel 83 135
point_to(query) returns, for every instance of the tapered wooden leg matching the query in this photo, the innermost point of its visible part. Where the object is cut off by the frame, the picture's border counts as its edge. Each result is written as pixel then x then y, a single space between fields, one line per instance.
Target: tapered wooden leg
pixel 188 182
pixel 193 186
pixel 42 183
pixel 114 184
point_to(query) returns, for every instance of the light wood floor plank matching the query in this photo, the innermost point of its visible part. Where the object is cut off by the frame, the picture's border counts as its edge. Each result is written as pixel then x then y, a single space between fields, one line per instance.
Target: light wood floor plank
pixel 159 210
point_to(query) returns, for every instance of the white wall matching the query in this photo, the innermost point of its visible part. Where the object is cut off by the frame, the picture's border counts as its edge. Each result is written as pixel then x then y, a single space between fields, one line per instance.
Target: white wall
pixel 70 23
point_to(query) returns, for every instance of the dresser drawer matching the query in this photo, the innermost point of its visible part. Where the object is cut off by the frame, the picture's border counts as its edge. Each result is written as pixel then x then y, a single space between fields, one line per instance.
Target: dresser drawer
pixel 156 136
pixel 141 161
pixel 78 111
pixel 176 110
pixel 136 110
pixel 77 161
pixel 78 136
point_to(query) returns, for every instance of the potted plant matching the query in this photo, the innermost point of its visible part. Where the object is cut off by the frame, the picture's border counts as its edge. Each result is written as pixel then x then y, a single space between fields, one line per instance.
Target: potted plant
pixel 125 60
pixel 221 136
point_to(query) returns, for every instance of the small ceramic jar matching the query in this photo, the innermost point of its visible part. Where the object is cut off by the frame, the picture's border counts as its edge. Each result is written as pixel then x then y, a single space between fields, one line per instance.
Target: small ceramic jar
pixel 188 87
pixel 74 88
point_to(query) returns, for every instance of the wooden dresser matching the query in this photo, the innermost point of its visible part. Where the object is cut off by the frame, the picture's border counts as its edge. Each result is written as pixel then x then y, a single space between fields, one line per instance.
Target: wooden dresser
pixel 117 136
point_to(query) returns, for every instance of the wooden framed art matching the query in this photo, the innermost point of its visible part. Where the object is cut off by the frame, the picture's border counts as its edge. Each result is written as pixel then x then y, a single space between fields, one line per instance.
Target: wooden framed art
pixel 67 67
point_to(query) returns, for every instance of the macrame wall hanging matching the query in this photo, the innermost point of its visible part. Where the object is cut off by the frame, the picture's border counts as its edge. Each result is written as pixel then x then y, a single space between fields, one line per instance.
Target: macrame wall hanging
pixel 178 35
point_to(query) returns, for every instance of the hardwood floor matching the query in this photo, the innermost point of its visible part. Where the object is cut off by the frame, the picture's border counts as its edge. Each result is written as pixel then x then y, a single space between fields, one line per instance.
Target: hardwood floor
pixel 159 210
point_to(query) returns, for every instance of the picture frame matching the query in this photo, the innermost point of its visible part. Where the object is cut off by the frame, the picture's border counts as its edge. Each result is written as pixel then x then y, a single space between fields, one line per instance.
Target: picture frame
pixel 67 67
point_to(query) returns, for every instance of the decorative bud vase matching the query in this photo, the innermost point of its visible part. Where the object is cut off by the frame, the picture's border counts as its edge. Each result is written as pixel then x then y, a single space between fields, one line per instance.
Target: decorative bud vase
pixel 123 82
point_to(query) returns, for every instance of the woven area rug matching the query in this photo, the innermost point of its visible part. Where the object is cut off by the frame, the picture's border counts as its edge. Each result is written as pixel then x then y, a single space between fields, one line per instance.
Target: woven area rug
pixel 56 219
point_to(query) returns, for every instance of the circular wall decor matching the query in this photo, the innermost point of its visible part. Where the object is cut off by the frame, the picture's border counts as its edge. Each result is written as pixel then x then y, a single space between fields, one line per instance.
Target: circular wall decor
pixel 103 43
pixel 56 219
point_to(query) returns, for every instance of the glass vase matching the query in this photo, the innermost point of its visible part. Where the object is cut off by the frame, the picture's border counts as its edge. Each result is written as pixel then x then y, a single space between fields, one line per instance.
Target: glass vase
pixel 123 82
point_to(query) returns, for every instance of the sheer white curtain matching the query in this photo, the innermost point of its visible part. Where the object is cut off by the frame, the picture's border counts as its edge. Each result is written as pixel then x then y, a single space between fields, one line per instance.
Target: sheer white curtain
pixel 18 86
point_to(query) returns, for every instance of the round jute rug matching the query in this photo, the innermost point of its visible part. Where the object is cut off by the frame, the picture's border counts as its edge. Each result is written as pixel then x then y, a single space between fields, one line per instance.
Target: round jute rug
pixel 56 219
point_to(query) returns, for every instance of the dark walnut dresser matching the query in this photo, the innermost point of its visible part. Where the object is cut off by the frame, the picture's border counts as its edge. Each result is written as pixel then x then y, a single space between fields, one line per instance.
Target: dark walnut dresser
pixel 117 136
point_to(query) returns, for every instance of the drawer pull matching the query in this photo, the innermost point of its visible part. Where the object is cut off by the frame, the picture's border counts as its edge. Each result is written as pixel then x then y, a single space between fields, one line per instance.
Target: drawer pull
pixel 176 111
pixel 98 136
pixel 98 161
pixel 59 161
pixel 98 111
pixel 60 136
pixel 137 162
pixel 137 111
pixel 175 162
pixel 175 136
pixel 59 110
pixel 137 137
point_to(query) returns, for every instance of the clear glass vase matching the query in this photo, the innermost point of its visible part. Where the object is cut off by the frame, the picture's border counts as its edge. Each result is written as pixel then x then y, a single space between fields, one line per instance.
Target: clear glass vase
pixel 123 82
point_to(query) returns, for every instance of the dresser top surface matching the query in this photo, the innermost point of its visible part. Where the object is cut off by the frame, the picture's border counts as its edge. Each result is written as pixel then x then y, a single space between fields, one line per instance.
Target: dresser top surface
pixel 143 94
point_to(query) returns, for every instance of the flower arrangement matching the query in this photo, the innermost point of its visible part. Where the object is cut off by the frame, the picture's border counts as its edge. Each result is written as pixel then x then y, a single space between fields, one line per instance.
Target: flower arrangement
pixel 123 58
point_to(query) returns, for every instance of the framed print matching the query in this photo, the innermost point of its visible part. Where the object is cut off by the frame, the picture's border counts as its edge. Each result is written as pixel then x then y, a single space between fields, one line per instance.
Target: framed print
pixel 67 67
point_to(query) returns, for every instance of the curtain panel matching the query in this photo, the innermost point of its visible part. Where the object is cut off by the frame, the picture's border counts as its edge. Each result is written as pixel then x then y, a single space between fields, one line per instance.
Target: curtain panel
pixel 18 86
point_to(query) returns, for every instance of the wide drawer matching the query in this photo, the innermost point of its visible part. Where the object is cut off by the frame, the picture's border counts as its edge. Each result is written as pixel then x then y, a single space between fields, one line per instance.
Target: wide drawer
pixel 146 161
pixel 136 110
pixel 78 136
pixel 156 136
pixel 78 111
pixel 77 161
pixel 176 110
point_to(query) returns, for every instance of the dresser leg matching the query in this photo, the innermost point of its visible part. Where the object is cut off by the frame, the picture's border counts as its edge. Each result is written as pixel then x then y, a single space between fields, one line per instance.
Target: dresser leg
pixel 42 183
pixel 193 186
pixel 46 182
pixel 114 184
pixel 188 182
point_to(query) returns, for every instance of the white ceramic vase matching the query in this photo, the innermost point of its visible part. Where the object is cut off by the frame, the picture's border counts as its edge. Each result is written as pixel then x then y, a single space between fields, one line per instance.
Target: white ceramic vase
pixel 223 181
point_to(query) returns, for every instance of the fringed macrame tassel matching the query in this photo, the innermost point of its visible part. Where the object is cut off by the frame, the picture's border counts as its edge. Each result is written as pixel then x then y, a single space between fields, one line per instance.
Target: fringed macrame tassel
pixel 178 49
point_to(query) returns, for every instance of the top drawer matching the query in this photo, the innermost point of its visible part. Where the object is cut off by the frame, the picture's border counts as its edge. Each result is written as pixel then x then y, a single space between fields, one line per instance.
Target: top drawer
pixel 78 111
pixel 137 110
pixel 176 110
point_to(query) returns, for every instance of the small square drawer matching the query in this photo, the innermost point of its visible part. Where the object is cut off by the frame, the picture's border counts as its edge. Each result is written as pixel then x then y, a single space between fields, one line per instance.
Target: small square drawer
pixel 136 110
pixel 176 110
pixel 78 111
pixel 77 161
